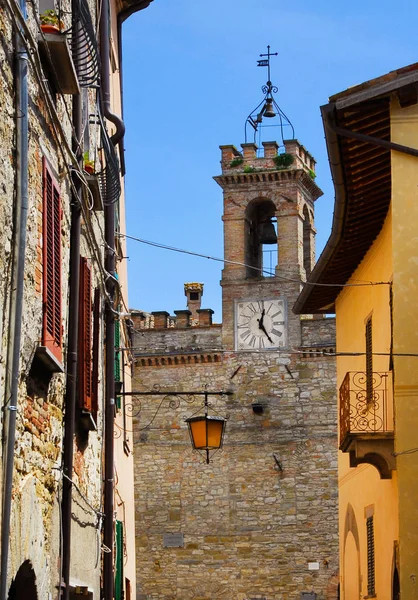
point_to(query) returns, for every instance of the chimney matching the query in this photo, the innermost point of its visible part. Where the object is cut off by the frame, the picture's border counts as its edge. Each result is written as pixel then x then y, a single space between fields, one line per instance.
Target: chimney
pixel 193 293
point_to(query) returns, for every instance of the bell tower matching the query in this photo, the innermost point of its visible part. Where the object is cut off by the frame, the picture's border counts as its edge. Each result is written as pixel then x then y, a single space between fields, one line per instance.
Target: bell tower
pixel 269 236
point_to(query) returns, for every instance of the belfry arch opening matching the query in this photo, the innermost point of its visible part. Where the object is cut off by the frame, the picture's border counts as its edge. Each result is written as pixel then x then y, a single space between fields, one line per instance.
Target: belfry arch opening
pixel 260 239
pixel 307 241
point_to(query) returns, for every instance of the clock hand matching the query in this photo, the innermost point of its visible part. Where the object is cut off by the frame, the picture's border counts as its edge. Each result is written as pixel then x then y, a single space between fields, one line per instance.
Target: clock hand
pixel 261 319
pixel 263 329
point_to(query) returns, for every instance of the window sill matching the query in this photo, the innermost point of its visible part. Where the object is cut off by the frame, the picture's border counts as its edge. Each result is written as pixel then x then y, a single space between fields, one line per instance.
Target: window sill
pixel 52 364
pixel 87 420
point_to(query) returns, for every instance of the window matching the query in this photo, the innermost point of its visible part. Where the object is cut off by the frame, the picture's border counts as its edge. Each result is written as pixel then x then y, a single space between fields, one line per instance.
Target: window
pixel 194 295
pixel 51 325
pixel 128 592
pixel 117 365
pixel 95 356
pixel 85 394
pixel 261 251
pixel 307 241
pixel 369 361
pixel 370 557
pixel 119 561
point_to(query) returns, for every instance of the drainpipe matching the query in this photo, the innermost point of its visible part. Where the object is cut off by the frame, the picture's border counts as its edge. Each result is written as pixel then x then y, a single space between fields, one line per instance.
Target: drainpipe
pixel 105 74
pixel 16 297
pixel 72 351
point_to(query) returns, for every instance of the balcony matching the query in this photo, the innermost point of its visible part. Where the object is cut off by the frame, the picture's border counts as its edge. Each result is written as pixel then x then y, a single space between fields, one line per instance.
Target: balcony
pixel 366 421
pixel 71 57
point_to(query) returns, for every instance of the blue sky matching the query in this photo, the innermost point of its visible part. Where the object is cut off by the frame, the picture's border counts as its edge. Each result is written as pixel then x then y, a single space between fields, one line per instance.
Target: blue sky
pixel 190 80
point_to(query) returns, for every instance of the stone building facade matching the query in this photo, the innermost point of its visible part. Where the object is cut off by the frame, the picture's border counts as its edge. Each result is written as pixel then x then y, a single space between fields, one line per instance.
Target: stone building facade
pixel 260 520
pixel 57 401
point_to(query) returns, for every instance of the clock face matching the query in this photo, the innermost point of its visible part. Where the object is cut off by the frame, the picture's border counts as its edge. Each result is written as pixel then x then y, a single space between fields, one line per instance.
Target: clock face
pixel 260 324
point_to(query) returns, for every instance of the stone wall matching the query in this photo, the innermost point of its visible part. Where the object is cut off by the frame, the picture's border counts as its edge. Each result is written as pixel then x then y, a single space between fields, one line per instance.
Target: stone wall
pixel 249 523
pixel 318 333
pixel 161 341
pixel 38 478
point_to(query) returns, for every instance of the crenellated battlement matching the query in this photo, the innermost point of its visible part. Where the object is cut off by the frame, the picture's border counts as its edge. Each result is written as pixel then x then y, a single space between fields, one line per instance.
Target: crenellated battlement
pixel 252 158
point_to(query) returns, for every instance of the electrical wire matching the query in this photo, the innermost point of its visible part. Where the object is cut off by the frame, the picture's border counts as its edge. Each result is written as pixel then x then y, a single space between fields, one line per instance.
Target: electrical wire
pixel 313 351
pixel 410 451
pixel 259 269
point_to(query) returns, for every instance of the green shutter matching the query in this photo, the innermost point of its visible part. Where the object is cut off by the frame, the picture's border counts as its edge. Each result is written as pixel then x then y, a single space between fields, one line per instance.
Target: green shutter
pixel 117 351
pixel 119 561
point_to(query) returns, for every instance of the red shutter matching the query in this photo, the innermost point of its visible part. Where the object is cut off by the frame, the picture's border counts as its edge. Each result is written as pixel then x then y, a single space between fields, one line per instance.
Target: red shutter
pixel 84 337
pixel 96 346
pixel 51 326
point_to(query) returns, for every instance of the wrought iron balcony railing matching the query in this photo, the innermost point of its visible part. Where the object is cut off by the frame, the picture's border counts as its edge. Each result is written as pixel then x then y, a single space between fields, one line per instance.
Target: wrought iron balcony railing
pixel 109 178
pixel 84 49
pixel 365 406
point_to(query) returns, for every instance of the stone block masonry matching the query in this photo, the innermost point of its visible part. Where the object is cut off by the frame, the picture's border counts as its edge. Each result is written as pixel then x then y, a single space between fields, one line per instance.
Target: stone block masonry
pixel 250 527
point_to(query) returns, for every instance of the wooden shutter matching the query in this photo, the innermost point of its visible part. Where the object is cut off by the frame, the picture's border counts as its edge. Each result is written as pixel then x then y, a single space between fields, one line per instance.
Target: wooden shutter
pixel 117 368
pixel 95 357
pixel 370 557
pixel 84 337
pixel 51 324
pixel 369 361
pixel 119 561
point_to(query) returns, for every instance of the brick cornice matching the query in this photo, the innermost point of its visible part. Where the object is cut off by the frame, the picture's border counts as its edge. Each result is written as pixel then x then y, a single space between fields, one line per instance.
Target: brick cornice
pixel 300 176
pixel 178 360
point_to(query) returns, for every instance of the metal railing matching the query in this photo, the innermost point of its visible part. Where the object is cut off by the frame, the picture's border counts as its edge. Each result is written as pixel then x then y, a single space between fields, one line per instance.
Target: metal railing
pixel 82 40
pixel 364 411
pixel 109 178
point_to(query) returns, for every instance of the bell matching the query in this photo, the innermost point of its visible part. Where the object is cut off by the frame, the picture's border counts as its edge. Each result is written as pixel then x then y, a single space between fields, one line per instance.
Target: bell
pixel 267 233
pixel 268 109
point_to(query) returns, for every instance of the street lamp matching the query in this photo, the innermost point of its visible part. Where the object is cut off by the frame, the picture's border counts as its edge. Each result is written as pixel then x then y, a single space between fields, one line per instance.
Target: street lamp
pixel 206 431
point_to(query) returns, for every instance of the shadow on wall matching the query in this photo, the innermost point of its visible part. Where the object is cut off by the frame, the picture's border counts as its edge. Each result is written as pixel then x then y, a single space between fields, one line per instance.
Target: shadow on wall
pixel 23 586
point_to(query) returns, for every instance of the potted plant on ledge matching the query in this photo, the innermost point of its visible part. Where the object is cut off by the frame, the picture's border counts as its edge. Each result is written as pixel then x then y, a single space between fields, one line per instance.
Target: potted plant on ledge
pixel 88 164
pixel 50 23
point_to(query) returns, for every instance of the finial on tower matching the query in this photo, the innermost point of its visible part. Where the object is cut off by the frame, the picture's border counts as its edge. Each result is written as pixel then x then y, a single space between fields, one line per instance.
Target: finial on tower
pixel 270 108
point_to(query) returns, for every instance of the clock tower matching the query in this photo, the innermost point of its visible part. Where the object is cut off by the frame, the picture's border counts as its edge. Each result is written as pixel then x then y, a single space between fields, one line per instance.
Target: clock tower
pixel 260 520
pixel 269 242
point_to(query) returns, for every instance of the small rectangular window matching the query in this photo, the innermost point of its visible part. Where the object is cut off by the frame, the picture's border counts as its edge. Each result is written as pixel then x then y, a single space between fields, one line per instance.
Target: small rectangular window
pixel 51 325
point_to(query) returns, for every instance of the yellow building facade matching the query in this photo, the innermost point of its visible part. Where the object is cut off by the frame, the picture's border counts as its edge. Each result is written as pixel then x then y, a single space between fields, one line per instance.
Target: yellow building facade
pixel 369 266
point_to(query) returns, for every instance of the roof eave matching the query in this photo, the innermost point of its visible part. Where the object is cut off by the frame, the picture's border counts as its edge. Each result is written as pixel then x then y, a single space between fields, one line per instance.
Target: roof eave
pixel 328 116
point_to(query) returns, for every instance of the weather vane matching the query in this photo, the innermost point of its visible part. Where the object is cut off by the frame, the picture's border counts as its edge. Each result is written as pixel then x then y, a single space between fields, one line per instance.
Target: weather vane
pixel 270 108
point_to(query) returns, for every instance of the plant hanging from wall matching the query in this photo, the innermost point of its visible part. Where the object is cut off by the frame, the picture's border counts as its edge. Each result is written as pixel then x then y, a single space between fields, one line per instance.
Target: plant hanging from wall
pixel 236 162
pixel 283 160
